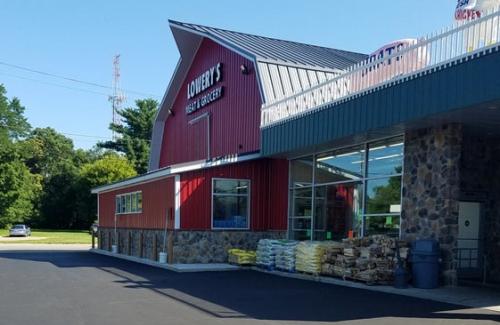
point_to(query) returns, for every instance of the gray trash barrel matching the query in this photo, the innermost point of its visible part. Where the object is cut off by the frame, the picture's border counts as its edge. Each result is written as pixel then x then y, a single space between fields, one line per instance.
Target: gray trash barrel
pixel 425 263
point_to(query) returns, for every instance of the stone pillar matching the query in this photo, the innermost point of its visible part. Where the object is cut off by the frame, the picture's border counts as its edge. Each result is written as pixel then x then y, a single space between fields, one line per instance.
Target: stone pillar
pixel 431 190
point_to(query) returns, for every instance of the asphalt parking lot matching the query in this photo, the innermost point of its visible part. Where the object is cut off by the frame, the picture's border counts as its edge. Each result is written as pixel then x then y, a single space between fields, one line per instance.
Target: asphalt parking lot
pixel 78 287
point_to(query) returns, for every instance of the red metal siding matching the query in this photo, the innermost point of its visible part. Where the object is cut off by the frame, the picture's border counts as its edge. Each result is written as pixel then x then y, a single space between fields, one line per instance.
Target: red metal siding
pixel 157 197
pixel 278 194
pixel 268 194
pixel 235 118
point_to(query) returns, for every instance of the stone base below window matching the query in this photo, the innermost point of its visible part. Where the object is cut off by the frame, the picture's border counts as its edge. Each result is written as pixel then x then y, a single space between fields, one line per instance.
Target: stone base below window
pixel 188 246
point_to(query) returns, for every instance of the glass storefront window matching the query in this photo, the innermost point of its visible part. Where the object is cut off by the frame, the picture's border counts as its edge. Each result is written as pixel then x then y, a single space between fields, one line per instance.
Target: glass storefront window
pixel 230 204
pixel 302 172
pixel 385 158
pixel 353 192
pixel 383 195
pixel 230 212
pixel 300 213
pixel 382 225
pixel 302 199
pixel 301 224
pixel 337 211
pixel 300 234
pixel 341 165
pixel 231 187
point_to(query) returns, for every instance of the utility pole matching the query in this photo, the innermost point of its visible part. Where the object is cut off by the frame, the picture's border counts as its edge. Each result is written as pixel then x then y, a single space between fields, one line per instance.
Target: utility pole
pixel 117 98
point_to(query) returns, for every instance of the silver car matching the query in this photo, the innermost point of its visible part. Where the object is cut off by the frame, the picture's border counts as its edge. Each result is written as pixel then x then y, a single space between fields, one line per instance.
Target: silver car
pixel 20 230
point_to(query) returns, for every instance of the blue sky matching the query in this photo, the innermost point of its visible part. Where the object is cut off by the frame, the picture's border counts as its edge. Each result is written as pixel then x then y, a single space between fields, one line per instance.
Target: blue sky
pixel 78 39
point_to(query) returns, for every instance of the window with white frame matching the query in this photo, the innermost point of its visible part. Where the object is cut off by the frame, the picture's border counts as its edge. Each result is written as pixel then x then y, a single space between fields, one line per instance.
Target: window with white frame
pixel 129 203
pixel 230 203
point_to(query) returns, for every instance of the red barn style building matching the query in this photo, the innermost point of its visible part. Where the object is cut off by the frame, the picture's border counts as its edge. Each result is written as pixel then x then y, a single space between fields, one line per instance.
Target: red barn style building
pixel 258 137
pixel 207 180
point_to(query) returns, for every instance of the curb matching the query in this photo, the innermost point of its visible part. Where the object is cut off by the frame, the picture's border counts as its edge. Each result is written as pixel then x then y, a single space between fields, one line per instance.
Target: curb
pixel 179 268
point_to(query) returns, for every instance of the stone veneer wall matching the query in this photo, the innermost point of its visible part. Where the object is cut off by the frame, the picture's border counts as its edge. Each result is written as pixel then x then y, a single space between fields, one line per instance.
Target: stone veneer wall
pixel 443 166
pixel 189 246
pixel 431 190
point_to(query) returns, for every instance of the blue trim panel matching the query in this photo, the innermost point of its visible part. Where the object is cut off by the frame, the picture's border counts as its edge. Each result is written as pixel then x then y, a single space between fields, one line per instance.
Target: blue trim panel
pixel 470 82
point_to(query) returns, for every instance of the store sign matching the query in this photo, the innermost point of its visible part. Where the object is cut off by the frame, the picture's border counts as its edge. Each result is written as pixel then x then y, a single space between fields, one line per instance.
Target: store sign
pixel 473 9
pixel 389 64
pixel 389 49
pixel 205 85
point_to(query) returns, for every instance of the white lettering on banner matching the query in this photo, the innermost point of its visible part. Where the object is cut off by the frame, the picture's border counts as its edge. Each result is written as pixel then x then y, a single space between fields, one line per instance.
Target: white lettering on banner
pixel 204 100
pixel 203 82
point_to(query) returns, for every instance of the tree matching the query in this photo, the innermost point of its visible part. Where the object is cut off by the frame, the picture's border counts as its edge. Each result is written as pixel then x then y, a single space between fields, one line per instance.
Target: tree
pixel 13 124
pixel 19 189
pixel 110 168
pixel 135 134
pixel 45 151
pixel 59 199
pixel 51 155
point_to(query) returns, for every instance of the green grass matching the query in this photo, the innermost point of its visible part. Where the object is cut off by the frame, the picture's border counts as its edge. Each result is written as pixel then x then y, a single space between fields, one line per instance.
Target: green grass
pixel 51 237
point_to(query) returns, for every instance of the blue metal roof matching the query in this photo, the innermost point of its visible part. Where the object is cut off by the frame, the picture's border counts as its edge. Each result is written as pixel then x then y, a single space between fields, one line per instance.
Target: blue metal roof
pixel 280 51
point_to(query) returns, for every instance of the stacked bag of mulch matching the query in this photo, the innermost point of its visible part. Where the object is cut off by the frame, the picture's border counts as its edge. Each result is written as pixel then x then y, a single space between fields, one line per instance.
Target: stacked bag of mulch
pixel 266 253
pixel 285 255
pixel 308 257
pixel 241 257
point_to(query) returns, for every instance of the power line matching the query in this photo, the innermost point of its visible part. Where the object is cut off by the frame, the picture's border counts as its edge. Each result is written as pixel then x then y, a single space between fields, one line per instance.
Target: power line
pixel 88 83
pixel 56 85
pixel 52 84
pixel 92 136
pixel 85 136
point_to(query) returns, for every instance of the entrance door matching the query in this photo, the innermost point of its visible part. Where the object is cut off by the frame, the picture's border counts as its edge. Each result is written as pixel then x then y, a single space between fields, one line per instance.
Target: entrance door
pixel 468 244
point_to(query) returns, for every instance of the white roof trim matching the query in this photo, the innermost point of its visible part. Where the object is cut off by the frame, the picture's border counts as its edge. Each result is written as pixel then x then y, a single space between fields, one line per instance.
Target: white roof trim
pixel 175 170
pixel 161 173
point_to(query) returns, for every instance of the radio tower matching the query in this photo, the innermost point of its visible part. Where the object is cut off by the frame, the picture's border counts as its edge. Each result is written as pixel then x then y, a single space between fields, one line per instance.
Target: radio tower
pixel 117 98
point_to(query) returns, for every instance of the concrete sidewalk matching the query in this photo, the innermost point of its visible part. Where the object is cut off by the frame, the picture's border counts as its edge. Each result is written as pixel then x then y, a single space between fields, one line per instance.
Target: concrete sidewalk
pixel 477 297
pixel 211 267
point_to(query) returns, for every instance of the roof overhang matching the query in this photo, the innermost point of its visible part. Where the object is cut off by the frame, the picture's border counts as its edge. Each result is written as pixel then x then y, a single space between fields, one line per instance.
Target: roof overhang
pixel 464 91
pixel 175 170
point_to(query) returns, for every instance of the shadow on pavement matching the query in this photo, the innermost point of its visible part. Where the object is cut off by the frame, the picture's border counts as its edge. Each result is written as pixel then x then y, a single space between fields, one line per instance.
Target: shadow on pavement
pixel 249 294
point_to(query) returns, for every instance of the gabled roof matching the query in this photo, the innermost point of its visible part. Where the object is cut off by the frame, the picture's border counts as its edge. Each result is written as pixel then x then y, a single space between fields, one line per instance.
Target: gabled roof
pixel 283 67
pixel 280 51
